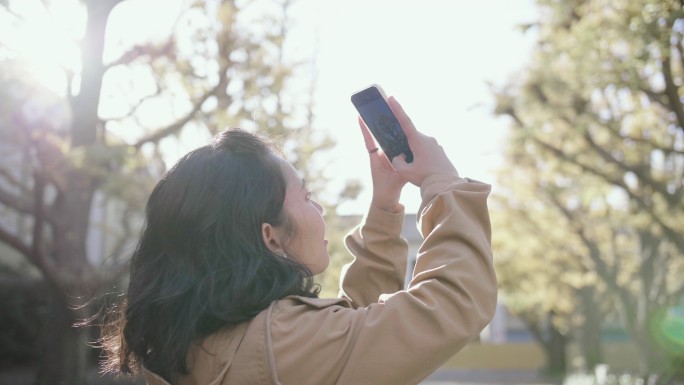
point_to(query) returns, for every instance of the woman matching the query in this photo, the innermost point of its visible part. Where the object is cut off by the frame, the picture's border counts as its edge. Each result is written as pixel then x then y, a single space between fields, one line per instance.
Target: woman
pixel 221 288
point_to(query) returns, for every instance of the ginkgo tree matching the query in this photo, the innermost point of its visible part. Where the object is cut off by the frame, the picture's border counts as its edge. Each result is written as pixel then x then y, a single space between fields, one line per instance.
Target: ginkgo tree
pixel 594 184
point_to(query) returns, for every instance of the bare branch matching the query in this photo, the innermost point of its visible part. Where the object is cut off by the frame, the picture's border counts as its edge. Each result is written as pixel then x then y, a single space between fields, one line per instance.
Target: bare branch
pixel 33 252
pixel 22 204
pixel 7 9
pixel 176 126
pixel 17 244
pixel 137 105
pixel 12 180
pixel 149 51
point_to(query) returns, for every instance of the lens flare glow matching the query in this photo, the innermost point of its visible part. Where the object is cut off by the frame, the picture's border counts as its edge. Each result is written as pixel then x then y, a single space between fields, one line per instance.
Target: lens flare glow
pixel 667 328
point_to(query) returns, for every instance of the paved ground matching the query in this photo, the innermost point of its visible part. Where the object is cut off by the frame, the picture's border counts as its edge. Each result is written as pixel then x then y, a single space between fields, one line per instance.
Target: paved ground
pixel 486 377
pixel 441 377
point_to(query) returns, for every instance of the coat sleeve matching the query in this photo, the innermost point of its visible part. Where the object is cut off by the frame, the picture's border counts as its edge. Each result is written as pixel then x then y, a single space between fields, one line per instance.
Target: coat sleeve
pixel 405 335
pixel 380 258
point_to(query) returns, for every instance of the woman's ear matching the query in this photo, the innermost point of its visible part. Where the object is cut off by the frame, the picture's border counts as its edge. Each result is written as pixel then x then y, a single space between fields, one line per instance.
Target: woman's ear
pixel 273 238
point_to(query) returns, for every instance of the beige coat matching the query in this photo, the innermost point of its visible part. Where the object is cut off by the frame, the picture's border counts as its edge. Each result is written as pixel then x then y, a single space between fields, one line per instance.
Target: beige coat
pixel 376 333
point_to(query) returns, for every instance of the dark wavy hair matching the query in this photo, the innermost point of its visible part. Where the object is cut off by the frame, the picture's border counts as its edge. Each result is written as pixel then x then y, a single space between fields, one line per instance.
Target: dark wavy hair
pixel 201 263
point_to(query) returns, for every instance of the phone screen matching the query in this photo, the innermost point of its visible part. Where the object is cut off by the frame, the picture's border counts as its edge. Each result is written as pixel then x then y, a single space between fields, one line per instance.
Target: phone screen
pixel 382 123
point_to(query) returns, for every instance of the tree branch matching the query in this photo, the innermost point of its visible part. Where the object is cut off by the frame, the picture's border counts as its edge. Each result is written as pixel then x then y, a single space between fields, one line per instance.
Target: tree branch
pixel 580 108
pixel 655 97
pixel 672 91
pixel 17 244
pixel 21 204
pixel 656 146
pixel 7 9
pixel 679 45
pixel 12 180
pixel 672 235
pixel 162 133
pixel 614 129
pixel 641 173
pixel 32 252
pixel 137 105
pixel 150 51
pixel 608 276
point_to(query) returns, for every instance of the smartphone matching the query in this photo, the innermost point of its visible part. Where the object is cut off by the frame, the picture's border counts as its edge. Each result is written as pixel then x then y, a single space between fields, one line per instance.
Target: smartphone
pixel 372 105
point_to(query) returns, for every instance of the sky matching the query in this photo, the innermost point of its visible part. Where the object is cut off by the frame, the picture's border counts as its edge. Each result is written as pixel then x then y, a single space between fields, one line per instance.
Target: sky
pixel 436 57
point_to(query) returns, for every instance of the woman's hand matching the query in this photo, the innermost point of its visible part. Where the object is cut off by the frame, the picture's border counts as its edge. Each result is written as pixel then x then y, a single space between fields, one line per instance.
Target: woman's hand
pixel 387 183
pixel 428 156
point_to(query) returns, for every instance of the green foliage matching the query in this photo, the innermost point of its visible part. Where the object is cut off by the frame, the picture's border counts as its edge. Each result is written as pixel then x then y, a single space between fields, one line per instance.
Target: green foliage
pixel 593 194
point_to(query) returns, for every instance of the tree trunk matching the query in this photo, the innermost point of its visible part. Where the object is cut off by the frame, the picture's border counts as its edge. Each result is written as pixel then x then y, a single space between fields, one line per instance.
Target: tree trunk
pixel 552 342
pixel 63 357
pixel 591 346
pixel 556 357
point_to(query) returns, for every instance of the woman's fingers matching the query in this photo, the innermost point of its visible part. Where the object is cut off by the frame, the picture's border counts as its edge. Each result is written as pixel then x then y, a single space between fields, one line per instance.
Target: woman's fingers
pixel 367 137
pixel 403 118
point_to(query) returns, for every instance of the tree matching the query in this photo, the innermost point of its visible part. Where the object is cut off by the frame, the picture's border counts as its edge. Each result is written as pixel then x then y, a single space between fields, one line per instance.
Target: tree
pixel 65 149
pixel 542 271
pixel 597 140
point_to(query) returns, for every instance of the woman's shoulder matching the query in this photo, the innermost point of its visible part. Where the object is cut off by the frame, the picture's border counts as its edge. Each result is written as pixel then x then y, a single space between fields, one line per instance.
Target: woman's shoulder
pixel 296 312
pixel 318 303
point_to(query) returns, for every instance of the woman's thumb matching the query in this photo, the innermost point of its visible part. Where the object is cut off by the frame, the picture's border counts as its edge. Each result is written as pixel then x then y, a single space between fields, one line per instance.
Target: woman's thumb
pixel 399 163
pixel 404 121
